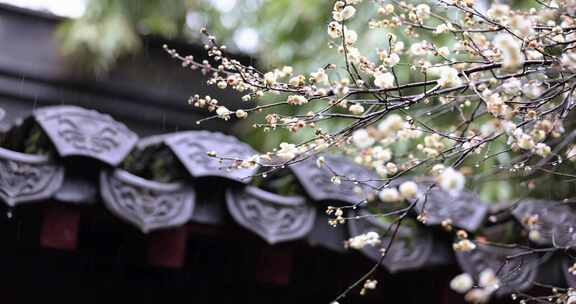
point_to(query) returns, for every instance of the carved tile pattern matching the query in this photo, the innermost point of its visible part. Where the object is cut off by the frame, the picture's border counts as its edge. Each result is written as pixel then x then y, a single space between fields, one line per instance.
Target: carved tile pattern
pixel 318 184
pixel 465 209
pixel 26 178
pixel 556 221
pixel 517 275
pixel 273 217
pixel 192 148
pixel 82 132
pixel 411 249
pixel 148 205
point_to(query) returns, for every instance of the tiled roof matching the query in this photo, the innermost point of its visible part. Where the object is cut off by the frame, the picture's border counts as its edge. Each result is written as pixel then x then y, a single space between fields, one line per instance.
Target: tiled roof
pixel 84 135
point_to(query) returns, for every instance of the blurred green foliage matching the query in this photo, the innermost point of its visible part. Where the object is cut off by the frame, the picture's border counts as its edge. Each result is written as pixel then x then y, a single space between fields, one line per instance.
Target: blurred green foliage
pixel 287 30
pixel 110 29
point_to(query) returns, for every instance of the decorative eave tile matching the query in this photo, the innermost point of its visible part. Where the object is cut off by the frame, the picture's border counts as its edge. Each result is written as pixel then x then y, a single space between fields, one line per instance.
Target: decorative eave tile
pixel 273 217
pixel 518 274
pixel 318 184
pixel 556 224
pixel 464 209
pixel 76 131
pixel 411 249
pixel 27 177
pixel 149 205
pixel 192 147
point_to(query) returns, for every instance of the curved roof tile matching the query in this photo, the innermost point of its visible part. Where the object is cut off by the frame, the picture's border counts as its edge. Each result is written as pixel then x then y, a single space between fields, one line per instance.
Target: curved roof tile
pixel 556 222
pixel 147 204
pixel 27 177
pixel 412 248
pixel 514 274
pixel 318 183
pixel 76 131
pixel 273 217
pixel 192 149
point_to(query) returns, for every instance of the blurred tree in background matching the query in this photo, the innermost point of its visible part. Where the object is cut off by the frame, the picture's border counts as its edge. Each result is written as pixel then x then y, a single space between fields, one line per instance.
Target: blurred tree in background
pixel 110 29
pixel 273 31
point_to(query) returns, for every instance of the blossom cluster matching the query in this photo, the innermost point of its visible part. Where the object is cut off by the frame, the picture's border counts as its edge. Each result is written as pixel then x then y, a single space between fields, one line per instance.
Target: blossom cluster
pixel 451 95
pixel 488 282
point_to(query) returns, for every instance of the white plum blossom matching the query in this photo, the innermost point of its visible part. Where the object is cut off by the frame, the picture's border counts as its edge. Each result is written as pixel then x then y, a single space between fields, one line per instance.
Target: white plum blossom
pixel 392 168
pixel 348 12
pixel 444 51
pixel 351 36
pixel 443 28
pixel 251 162
pixel 389 195
pixel 362 139
pixel 521 25
pixel 437 170
pixel 462 283
pixel 464 245
pixel 319 76
pixel 320 161
pixel 392 122
pixel 569 61
pixel 344 14
pixel 408 190
pixel 398 47
pixel 381 169
pixel 391 60
pixel 512 86
pixel 356 109
pixel 384 80
pixel 477 295
pixel 287 151
pixel 511 50
pixel 370 284
pixel 498 11
pixel 419 48
pixel 495 104
pixel 381 154
pixel 353 54
pixel 534 235
pixel 422 11
pixel 367 239
pixel 297 100
pixel 571 153
pixel 452 180
pixel 488 280
pixel 533 55
pixel 334 30
pixel 448 77
pixel 241 113
pixel 542 149
pixel 270 78
pixel 525 141
pixel 223 112
pixel 386 10
pixel 336 180
pixel 532 89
